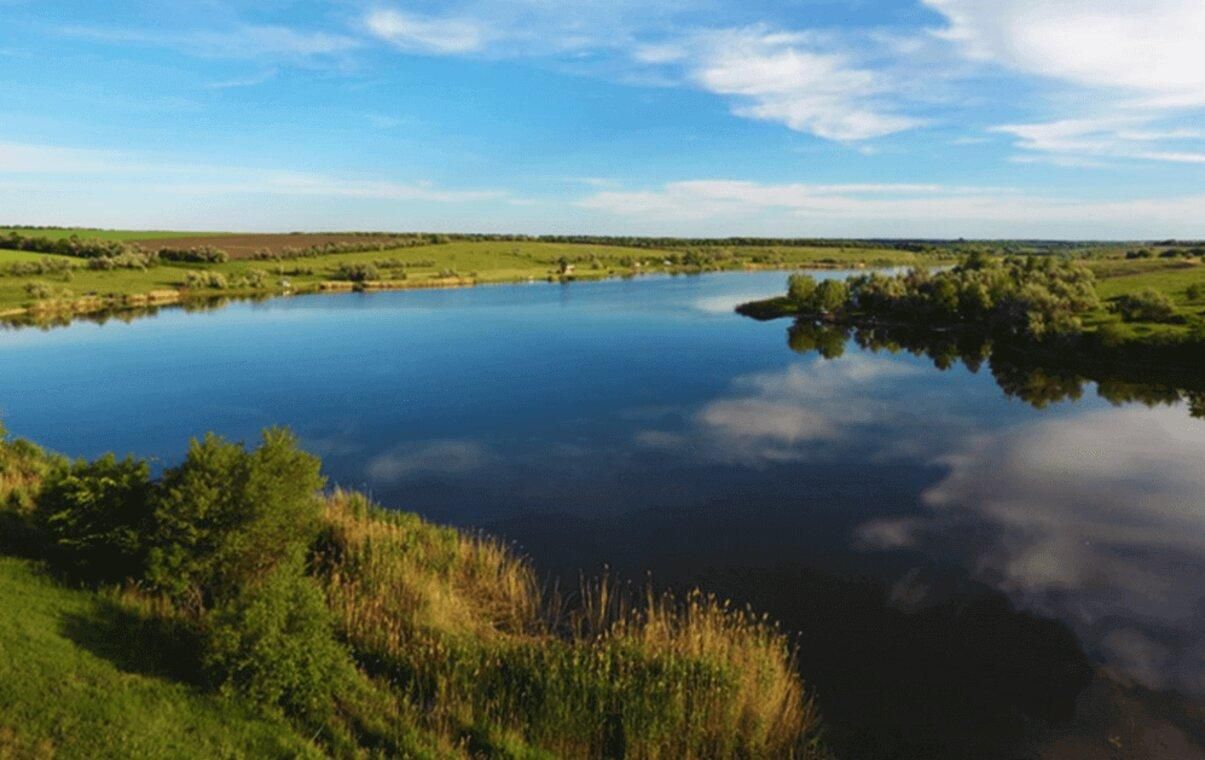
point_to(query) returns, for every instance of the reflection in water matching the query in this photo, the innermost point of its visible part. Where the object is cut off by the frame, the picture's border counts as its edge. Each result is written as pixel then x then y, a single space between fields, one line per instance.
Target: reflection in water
pixel 790 415
pixel 1038 380
pixel 1097 520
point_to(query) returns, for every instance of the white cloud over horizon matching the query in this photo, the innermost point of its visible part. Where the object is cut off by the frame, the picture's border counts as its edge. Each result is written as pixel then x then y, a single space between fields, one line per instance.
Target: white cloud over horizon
pixel 943 210
pixel 124 168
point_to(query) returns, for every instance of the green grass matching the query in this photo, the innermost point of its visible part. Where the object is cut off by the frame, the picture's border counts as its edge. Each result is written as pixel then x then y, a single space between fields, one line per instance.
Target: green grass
pixel 77 680
pixel 1116 278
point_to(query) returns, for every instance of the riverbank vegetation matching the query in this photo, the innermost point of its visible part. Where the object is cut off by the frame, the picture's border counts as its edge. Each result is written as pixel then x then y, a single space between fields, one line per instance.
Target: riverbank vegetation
pixel 233 590
pixel 77 273
pixel 1079 310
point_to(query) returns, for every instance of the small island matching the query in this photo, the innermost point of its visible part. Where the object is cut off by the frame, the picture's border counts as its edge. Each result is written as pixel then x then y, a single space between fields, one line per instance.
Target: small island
pixel 1132 315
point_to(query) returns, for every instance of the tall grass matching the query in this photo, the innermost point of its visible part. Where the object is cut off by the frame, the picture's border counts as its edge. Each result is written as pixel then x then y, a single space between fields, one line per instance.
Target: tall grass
pixel 460 628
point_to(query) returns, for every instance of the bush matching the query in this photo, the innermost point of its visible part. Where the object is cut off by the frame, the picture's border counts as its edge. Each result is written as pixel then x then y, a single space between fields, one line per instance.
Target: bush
pixel 199 279
pixel 227 516
pixel 274 644
pixel 800 288
pixel 38 290
pixel 357 272
pixel 95 517
pixel 205 254
pixel 831 295
pixel 1195 292
pixel 1148 305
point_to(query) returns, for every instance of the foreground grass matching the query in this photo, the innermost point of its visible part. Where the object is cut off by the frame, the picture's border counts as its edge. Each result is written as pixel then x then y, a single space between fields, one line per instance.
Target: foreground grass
pixel 457 263
pixel 383 635
pixel 79 679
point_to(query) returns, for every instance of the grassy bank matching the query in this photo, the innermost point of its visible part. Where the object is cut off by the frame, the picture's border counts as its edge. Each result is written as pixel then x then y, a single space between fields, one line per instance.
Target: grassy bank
pixel 230 598
pixel 67 285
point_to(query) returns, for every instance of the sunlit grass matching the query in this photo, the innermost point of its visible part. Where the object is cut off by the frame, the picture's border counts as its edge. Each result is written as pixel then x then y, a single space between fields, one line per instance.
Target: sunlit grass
pixel 458 623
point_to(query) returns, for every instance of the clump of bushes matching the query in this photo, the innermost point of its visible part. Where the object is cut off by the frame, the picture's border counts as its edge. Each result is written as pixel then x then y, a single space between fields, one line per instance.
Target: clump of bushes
pixel 38 290
pixel 1035 297
pixel 356 272
pixel 370 242
pixel 133 259
pixel 195 278
pixel 1148 305
pixel 70 246
pixel 205 254
pixel 42 266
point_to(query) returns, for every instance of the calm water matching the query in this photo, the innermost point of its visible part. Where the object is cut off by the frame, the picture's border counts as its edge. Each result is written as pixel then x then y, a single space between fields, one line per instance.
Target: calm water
pixel 958 564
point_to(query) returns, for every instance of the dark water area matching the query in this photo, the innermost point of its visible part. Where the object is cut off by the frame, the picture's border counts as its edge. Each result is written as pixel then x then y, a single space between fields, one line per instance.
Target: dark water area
pixel 968 573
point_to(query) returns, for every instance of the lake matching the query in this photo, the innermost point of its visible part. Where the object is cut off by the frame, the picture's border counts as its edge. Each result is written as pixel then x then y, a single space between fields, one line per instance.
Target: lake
pixel 967 574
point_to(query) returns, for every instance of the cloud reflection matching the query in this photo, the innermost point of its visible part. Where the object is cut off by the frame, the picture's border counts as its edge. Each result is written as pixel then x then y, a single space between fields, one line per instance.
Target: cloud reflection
pixel 1098 520
pixel 783 416
pixel 440 457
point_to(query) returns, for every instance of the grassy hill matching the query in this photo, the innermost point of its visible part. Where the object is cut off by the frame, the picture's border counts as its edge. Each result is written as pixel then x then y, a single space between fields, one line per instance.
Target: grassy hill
pixel 78 679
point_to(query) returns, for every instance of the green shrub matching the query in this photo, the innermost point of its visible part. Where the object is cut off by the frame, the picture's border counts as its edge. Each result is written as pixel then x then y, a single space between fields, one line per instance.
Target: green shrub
pixel 198 279
pixel 227 516
pixel 275 645
pixel 357 272
pixel 95 517
pixel 1148 305
pixel 38 290
pixel 831 295
pixel 205 254
pixel 801 287
pixel 1195 292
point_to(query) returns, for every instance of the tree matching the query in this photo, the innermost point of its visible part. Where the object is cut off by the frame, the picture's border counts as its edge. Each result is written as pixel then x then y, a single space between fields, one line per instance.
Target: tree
pixel 227 517
pixel 95 516
pixel 831 295
pixel 801 288
pixel 274 644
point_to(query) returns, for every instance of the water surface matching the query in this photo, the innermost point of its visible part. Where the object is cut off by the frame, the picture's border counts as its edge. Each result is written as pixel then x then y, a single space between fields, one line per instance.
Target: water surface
pixel 961 567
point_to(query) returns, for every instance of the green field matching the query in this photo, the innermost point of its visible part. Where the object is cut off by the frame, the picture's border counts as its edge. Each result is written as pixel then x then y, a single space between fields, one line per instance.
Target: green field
pixel 1116 278
pixel 58 233
pixel 76 682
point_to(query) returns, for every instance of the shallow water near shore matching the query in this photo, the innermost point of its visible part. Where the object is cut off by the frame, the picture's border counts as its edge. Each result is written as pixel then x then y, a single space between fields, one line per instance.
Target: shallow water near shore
pixel 967 574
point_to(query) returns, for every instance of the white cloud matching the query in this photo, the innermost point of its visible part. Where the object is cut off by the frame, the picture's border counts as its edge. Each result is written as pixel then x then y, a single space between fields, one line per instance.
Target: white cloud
pixel 1136 62
pixel 905 209
pixel 244 41
pixel 250 81
pixel 1089 141
pixel 442 36
pixel 795 79
pixel 1147 47
pixel 123 169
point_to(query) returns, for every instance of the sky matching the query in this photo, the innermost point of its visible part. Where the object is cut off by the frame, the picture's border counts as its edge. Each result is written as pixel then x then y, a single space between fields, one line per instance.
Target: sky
pixel 864 118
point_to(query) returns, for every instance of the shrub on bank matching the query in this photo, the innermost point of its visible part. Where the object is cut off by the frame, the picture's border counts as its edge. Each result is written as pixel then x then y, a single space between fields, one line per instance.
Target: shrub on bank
pixel 1148 305
pixel 95 517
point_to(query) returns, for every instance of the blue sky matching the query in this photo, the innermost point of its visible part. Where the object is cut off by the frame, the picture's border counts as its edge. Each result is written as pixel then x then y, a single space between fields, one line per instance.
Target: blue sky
pixel 920 118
